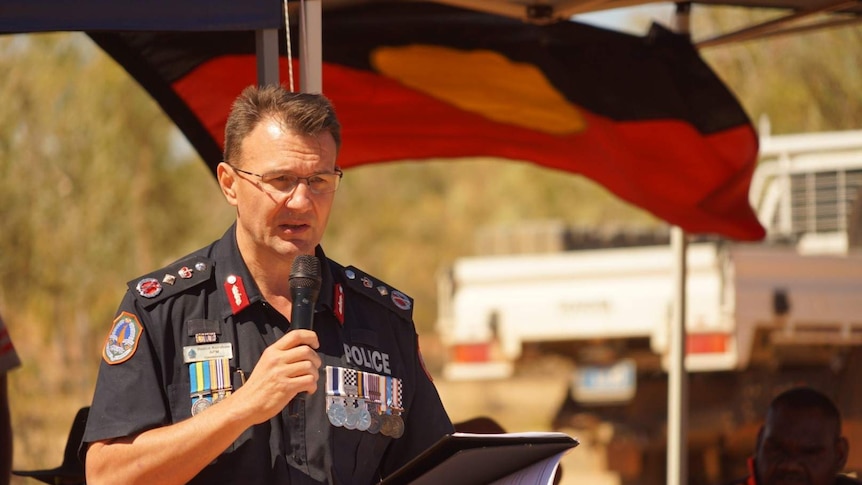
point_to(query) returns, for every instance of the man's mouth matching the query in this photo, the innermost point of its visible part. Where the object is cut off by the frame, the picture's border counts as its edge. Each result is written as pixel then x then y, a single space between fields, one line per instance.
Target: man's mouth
pixel 294 227
pixel 791 478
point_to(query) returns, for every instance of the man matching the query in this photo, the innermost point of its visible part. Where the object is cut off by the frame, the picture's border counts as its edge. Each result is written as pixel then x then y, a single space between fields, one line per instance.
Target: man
pixel 8 361
pixel 800 442
pixel 202 379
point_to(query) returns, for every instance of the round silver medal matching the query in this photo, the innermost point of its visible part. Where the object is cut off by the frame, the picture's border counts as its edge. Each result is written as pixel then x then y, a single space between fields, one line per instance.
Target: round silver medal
pixel 352 419
pixel 364 417
pixel 200 405
pixel 336 414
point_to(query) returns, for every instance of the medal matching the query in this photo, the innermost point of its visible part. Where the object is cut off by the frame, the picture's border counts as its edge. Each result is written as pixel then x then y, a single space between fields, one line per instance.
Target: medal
pixel 336 413
pixel 374 423
pixel 386 425
pixel 397 426
pixel 364 416
pixel 200 404
pixel 352 413
pixel 364 401
pixel 393 425
pixel 209 382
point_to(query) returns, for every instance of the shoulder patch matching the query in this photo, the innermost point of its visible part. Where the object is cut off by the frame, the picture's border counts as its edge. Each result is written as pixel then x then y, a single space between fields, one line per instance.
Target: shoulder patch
pixel 382 293
pixel 171 280
pixel 123 339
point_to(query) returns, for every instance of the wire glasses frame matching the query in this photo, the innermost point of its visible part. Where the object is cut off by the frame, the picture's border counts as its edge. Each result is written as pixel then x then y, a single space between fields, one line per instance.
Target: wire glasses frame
pixel 286 183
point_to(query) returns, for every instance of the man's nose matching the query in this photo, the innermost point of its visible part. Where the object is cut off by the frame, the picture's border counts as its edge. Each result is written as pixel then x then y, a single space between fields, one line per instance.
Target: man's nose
pixel 301 195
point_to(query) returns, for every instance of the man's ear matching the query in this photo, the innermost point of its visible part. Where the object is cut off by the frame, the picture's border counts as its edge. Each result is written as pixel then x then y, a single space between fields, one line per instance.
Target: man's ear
pixel 842 451
pixel 759 438
pixel 226 180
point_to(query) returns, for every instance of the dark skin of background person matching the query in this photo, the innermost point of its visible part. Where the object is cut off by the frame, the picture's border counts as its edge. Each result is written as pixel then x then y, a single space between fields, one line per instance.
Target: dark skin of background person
pixel 800 442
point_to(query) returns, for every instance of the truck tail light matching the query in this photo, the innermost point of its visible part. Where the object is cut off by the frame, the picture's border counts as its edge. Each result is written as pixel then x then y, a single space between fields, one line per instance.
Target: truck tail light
pixel 471 352
pixel 706 343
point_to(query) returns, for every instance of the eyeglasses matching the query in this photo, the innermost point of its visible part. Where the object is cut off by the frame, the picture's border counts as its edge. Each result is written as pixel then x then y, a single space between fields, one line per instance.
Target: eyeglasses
pixel 286 182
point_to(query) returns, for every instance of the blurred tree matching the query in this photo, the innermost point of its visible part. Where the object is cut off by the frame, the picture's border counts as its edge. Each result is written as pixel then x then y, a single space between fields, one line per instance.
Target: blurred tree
pixel 406 221
pixel 93 193
pixel 803 82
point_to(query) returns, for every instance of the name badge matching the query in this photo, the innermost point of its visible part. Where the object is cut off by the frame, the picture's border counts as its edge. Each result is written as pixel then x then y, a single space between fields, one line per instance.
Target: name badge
pixel 200 353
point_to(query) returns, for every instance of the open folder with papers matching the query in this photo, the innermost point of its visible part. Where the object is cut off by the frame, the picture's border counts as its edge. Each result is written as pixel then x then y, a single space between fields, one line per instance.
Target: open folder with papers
pixel 500 459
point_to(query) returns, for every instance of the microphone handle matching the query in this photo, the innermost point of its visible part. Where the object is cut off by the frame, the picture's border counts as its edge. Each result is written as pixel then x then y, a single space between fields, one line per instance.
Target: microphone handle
pixel 302 313
pixel 301 317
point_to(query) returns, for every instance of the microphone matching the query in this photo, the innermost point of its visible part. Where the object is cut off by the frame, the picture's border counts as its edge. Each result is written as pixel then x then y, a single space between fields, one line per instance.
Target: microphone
pixel 305 284
pixel 305 281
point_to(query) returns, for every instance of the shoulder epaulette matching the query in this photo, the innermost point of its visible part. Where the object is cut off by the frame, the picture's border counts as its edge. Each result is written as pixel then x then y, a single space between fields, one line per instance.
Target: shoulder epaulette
pixel 377 290
pixel 171 280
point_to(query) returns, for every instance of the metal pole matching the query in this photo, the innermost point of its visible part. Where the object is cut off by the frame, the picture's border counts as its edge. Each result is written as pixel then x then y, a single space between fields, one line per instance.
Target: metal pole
pixel 677 391
pixel 266 45
pixel 311 47
pixel 677 379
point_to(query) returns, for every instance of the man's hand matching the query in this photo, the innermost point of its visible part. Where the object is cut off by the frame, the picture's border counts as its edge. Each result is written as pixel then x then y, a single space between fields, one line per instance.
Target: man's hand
pixel 286 368
pixel 176 453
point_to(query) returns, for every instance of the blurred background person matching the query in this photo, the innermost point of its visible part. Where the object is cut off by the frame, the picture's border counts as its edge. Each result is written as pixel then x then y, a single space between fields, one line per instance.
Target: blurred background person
pixel 71 470
pixel 8 361
pixel 800 442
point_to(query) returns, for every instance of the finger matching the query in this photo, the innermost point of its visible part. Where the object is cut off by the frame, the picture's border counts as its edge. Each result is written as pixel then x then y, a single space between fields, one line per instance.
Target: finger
pixel 295 338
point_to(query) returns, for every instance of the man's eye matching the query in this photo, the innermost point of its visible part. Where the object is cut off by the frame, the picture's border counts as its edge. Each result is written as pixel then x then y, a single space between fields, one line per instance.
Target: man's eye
pixel 280 179
pixel 316 179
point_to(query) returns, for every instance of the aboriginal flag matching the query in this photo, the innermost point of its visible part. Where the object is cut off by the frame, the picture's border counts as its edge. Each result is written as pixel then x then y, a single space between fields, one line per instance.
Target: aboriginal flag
pixel 643 116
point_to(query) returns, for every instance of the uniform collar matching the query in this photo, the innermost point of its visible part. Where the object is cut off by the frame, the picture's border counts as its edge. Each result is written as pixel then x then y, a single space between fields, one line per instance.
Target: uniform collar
pixel 231 270
pixel 236 287
pixel 325 299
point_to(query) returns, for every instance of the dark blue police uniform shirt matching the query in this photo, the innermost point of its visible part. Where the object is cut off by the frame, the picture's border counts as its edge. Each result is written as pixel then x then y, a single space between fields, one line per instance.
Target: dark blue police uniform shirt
pixel 151 387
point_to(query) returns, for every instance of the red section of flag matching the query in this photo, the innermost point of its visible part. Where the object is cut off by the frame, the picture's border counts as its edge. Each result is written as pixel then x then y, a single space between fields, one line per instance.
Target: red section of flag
pixel 697 182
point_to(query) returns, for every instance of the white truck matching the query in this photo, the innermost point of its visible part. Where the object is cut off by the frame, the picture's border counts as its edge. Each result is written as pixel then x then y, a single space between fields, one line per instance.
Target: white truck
pixel 791 302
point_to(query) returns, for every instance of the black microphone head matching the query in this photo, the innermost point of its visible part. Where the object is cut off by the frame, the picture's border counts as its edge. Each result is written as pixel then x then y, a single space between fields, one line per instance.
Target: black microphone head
pixel 305 282
pixel 305 272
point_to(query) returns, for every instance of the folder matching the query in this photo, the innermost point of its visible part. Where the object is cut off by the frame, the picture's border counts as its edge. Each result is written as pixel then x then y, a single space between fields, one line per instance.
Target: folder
pixel 530 458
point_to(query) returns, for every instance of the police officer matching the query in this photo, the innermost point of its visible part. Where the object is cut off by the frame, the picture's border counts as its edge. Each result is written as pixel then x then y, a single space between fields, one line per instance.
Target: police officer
pixel 203 381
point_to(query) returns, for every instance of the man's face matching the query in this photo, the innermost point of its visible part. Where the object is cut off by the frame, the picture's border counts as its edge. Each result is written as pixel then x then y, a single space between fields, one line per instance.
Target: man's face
pixel 272 225
pixel 799 446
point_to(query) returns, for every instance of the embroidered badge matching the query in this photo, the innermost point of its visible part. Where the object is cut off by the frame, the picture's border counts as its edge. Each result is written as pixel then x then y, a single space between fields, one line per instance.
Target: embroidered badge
pixel 339 303
pixel 123 339
pixel 236 293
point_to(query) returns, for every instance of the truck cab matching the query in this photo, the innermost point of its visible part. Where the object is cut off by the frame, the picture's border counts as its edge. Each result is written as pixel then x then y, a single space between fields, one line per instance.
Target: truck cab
pixel 759 316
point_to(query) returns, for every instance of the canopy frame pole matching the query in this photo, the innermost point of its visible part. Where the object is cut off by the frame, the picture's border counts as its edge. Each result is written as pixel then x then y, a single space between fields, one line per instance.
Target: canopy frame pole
pixel 774 26
pixel 677 379
pixel 677 390
pixel 266 46
pixel 311 46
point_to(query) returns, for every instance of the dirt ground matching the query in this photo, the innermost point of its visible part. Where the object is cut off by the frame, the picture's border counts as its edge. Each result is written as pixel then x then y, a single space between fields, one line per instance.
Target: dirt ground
pixel 528 403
